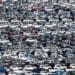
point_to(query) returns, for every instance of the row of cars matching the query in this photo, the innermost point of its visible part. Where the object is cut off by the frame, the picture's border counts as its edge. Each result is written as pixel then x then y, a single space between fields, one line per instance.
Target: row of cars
pixel 37 37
